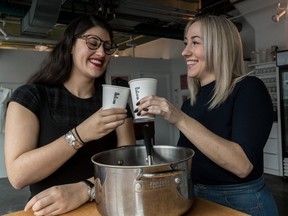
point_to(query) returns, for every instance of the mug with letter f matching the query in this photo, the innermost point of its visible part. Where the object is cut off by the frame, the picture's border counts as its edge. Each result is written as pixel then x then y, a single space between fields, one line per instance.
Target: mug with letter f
pixel 114 96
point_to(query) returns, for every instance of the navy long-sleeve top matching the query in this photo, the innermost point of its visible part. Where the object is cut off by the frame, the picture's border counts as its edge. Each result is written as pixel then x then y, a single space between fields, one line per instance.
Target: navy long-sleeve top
pixel 246 118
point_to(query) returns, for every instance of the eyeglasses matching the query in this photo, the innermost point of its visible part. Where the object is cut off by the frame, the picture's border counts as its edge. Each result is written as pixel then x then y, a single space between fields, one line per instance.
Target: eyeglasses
pixel 93 42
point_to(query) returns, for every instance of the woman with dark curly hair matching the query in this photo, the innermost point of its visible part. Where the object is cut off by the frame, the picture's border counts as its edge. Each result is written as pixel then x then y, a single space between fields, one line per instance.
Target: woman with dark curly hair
pixel 55 123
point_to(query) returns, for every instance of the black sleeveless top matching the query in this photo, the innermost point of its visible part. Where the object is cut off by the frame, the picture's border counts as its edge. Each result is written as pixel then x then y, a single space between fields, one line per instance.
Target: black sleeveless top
pixel 59 111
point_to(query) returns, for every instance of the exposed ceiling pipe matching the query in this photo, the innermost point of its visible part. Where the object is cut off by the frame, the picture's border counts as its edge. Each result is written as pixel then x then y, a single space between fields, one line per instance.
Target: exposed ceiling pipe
pixel 252 11
pixel 30 40
pixel 6 36
pixel 131 40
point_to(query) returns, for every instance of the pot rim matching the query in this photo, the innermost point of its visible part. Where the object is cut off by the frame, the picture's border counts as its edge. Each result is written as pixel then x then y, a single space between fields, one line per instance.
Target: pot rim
pixel 142 166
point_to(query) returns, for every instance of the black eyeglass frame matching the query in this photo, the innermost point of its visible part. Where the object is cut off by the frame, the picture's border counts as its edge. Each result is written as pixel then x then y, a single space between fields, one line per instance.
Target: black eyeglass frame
pixel 107 51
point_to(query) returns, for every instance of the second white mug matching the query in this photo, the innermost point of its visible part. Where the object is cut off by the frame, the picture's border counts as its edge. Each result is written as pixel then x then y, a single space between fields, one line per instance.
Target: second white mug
pixel 139 89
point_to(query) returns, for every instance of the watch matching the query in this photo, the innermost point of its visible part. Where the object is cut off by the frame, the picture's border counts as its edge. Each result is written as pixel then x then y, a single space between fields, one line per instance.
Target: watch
pixel 91 189
pixel 71 140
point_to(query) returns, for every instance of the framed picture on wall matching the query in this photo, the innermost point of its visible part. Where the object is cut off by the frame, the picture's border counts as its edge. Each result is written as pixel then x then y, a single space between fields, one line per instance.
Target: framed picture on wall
pixel 183 82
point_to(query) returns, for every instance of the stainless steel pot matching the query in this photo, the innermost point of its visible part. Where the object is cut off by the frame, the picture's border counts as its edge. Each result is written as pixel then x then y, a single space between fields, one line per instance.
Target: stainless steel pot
pixel 125 185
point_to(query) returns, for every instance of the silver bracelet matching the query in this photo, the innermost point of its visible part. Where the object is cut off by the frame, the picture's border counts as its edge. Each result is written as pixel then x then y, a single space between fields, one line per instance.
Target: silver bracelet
pixel 71 140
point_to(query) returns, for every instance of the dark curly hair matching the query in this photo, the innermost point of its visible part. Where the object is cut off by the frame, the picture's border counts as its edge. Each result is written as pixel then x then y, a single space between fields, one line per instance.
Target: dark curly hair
pixel 56 67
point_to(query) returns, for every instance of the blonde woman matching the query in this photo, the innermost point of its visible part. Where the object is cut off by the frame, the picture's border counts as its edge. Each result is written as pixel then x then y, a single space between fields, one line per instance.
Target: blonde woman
pixel 226 121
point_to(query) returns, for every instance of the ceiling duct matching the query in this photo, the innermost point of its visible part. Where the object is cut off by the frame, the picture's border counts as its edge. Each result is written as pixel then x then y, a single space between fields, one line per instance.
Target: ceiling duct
pixel 41 17
pixel 154 30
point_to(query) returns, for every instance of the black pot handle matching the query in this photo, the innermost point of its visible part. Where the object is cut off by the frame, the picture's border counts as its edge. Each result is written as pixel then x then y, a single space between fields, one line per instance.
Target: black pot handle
pixel 147 142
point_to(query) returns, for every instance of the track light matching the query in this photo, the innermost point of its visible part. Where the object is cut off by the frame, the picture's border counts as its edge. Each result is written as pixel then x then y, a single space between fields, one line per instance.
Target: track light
pixel 280 12
pixel 277 17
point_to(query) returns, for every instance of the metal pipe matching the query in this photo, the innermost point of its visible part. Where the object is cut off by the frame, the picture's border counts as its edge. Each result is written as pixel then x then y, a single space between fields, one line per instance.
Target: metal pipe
pixel 252 11
pixel 6 36
pixel 29 40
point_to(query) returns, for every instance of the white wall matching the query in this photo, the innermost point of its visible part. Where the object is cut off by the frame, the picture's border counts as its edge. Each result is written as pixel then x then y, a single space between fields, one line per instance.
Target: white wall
pixel 15 68
pixel 134 66
pixel 17 65
pixel 178 68
pixel 162 48
pixel 248 38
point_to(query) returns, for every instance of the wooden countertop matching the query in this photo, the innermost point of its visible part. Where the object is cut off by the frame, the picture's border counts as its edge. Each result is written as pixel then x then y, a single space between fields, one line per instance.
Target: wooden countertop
pixel 200 207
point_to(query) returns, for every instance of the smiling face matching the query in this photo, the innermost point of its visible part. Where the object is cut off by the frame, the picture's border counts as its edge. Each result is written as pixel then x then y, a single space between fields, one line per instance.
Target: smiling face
pixel 194 54
pixel 90 63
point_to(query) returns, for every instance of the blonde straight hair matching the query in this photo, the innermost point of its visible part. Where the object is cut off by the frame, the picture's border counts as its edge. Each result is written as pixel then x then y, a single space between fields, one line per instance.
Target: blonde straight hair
pixel 223 56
